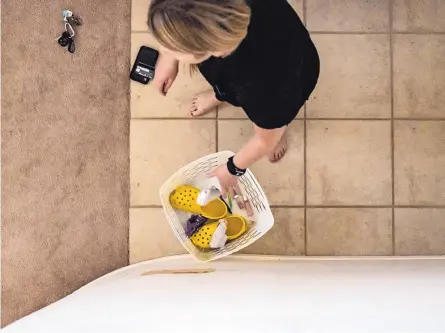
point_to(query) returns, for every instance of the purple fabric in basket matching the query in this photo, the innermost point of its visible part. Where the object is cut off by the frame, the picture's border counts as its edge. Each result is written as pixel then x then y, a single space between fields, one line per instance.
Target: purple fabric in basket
pixel 194 223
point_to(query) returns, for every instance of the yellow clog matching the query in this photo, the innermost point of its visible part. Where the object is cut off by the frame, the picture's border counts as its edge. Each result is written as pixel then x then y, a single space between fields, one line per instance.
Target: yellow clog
pixel 184 198
pixel 236 226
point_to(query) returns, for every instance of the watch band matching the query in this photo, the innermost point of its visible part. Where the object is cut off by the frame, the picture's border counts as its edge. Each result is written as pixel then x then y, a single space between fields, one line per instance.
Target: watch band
pixel 233 169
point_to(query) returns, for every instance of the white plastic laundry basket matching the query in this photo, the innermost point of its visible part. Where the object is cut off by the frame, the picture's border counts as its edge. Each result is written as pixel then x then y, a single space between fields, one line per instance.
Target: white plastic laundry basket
pixel 196 174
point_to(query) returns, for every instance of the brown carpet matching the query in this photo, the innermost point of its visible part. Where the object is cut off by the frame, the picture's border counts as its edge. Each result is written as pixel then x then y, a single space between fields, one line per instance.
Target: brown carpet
pixel 65 159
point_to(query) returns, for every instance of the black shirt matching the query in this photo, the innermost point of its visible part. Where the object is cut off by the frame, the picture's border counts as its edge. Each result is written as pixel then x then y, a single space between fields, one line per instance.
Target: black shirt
pixel 273 71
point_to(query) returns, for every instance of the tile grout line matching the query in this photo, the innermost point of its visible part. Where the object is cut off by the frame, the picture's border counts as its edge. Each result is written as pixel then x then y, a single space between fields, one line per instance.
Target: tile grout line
pixel 217 130
pixel 391 84
pixel 419 119
pixel 145 206
pixel 172 118
pixel 128 231
pixel 130 160
pixel 331 206
pixel 377 32
pixel 296 119
pixel 363 206
pixel 304 150
pixel 304 4
pixel 321 32
pixel 305 180
pixel 305 153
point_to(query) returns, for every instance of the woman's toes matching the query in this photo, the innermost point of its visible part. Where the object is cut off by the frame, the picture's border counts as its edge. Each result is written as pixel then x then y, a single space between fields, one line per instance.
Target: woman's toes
pixel 195 112
pixel 276 156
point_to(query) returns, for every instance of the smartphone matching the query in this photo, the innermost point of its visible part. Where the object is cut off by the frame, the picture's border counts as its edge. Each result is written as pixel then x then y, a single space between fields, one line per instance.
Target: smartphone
pixel 144 66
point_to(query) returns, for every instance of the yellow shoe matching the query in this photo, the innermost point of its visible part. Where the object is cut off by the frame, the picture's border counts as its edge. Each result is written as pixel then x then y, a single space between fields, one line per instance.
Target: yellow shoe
pixel 236 226
pixel 184 198
pixel 210 236
pixel 214 235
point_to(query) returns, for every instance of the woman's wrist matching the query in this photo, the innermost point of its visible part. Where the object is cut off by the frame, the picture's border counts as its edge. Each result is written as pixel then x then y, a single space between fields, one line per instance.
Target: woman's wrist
pixel 234 169
pixel 253 150
pixel 238 161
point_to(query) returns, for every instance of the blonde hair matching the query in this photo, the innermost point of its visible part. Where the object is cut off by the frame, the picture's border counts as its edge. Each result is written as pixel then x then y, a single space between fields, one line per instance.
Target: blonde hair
pixel 199 26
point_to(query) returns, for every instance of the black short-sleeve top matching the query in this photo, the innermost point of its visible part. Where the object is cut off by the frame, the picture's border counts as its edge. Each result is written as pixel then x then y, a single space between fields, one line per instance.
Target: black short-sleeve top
pixel 272 72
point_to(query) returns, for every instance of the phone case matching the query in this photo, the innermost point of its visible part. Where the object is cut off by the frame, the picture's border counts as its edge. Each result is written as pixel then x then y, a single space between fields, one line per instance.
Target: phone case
pixel 144 66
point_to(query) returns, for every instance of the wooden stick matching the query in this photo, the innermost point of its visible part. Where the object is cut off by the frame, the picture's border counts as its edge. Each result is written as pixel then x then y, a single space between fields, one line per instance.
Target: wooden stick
pixel 180 271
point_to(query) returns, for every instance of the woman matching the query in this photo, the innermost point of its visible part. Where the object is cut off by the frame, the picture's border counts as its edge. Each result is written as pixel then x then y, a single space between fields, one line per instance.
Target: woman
pixel 256 54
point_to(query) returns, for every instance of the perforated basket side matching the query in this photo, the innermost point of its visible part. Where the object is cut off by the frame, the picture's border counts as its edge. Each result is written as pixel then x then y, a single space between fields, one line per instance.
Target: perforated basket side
pixel 192 171
pixel 200 169
pixel 264 217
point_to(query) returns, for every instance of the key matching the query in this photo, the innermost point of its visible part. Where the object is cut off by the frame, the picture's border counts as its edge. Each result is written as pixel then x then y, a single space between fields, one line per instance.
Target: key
pixel 71 46
pixel 69 17
pixel 64 40
pixel 74 20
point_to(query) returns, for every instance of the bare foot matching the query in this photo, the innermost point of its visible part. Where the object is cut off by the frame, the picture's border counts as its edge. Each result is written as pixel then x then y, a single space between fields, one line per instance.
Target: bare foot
pixel 280 150
pixel 203 103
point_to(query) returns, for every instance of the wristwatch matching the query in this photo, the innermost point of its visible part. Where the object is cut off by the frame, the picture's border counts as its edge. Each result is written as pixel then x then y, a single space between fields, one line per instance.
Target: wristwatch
pixel 233 169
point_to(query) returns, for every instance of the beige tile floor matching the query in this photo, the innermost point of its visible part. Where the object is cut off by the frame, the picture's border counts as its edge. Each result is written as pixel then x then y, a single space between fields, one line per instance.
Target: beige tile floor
pixel 365 171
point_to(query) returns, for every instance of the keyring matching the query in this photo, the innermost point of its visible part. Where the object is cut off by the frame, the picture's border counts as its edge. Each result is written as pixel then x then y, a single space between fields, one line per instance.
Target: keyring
pixel 69 29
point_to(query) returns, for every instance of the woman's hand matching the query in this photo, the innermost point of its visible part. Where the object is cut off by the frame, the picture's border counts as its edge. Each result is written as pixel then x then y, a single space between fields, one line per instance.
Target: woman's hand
pixel 165 74
pixel 226 179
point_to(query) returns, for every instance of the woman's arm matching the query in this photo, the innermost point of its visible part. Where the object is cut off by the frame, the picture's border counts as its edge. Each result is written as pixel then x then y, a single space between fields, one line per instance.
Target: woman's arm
pixel 165 73
pixel 259 145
